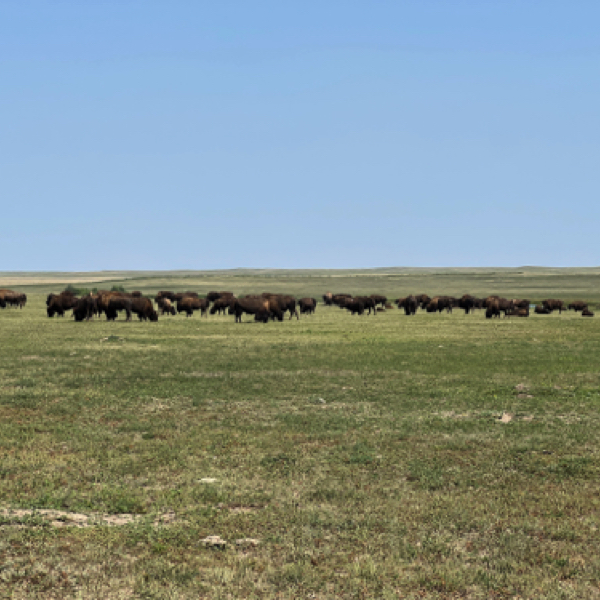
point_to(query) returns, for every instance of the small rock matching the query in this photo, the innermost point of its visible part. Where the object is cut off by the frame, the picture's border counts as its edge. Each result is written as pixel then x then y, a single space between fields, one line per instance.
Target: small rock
pixel 207 480
pixel 506 418
pixel 247 542
pixel 321 400
pixel 524 396
pixel 215 541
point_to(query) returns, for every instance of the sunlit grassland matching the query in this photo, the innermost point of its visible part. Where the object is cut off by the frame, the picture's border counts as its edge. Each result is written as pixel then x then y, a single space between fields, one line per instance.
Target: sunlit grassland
pixel 366 455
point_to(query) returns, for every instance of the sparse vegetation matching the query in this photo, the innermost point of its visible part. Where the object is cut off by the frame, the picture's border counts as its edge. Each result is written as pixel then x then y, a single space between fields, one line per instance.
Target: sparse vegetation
pixel 435 456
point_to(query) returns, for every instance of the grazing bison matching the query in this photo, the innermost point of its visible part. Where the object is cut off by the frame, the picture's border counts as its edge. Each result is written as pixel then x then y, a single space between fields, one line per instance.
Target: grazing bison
pixel 284 303
pixel 115 305
pixel 214 296
pixel 85 308
pixel 518 312
pixel 261 308
pixel 144 309
pixel 578 305
pixel 368 303
pixel 378 299
pixel 521 303
pixel 57 304
pixel 410 304
pixel 166 307
pixel 188 304
pixel 467 303
pixel 540 310
pixel 553 305
pixel 221 304
pixel 307 305
pixel 12 298
pixel 587 313
pixel 355 306
pixel 423 300
pixel 340 299
pixel 496 306
pixel 165 294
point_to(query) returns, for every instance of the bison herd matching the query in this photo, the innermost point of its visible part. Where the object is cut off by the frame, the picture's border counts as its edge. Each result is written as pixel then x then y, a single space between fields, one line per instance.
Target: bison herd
pixel 269 306
pixel 11 298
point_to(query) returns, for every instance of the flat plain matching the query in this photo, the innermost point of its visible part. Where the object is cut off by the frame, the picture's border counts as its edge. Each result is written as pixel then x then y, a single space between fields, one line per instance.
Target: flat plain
pixel 434 456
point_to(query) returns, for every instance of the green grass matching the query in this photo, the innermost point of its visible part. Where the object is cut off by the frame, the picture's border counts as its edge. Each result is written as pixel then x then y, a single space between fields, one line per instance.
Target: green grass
pixel 367 455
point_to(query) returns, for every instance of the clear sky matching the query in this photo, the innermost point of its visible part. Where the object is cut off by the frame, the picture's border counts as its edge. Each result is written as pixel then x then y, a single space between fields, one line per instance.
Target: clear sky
pixel 330 134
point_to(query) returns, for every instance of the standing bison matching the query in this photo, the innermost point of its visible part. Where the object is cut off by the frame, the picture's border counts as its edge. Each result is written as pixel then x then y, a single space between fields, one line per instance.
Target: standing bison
pixel 307 305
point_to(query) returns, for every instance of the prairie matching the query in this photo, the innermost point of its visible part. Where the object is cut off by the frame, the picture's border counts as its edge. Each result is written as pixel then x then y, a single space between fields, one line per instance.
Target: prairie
pixel 434 456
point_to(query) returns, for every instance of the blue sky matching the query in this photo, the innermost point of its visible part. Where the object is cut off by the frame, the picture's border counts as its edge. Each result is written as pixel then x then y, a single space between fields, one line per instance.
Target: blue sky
pixel 168 135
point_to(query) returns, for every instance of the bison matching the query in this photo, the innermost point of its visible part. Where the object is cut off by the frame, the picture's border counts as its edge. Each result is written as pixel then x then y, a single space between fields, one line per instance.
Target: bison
pixel 587 313
pixel 221 304
pixel 284 303
pixel 307 305
pixel 144 309
pixel 188 304
pixel 115 305
pixel 261 308
pixel 355 306
pixel 553 305
pixel 57 304
pixel 166 307
pixel 378 299
pixel 578 305
pixel 540 310
pixel 368 303
pixel 410 304
pixel 85 308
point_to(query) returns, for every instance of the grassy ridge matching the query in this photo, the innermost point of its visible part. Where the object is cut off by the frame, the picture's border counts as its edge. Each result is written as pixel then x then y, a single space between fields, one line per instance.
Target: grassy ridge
pixel 438 456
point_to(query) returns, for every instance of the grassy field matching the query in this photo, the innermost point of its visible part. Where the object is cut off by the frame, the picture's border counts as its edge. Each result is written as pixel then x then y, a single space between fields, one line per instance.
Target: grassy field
pixel 436 456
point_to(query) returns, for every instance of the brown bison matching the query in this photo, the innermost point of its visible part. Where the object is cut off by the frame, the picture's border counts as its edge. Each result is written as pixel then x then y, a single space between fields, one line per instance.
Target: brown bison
pixel 378 299
pixel 85 308
pixel 496 306
pixel 522 303
pixel 587 313
pixel 423 300
pixel 355 306
pixel 166 307
pixel 368 303
pixel 284 303
pixel 261 308
pixel 328 299
pixel 116 304
pixel 188 304
pixel 540 310
pixel 12 298
pixel 340 299
pixel 467 303
pixel 578 305
pixel 220 305
pixel 165 294
pixel 518 312
pixel 553 305
pixel 57 304
pixel 307 305
pixel 213 296
pixel 103 300
pixel 410 304
pixel 144 309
